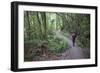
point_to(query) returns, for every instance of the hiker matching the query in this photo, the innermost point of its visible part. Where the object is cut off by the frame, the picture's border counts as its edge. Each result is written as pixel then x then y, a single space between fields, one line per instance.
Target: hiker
pixel 74 35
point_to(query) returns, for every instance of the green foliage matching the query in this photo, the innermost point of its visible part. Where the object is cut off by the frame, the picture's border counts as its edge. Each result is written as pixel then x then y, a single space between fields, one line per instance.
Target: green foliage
pixel 39 27
pixel 84 37
pixel 58 45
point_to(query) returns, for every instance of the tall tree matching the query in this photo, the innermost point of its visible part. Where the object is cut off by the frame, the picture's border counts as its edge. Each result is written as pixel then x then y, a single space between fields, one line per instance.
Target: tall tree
pixel 28 20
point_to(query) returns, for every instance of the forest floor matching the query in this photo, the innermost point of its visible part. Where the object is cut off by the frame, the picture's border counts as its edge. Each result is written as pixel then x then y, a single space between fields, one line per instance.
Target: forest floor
pixel 74 52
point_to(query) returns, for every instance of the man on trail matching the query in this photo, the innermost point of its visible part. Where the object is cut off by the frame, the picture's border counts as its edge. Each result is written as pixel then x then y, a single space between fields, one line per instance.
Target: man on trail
pixel 74 35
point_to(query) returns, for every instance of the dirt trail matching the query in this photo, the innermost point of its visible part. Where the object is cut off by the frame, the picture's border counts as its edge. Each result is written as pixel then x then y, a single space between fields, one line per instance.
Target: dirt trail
pixel 75 52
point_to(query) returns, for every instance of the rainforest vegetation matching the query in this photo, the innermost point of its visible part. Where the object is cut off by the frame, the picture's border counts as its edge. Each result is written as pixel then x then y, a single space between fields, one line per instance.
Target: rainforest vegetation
pixel 47 35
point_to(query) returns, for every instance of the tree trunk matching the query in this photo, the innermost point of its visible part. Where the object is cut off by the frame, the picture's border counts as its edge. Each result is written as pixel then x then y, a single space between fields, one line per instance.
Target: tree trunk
pixel 29 34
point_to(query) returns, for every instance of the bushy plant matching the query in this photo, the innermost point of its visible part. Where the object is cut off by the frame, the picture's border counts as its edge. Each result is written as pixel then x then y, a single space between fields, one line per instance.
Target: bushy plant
pixel 57 45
